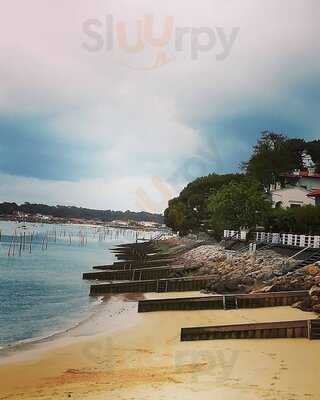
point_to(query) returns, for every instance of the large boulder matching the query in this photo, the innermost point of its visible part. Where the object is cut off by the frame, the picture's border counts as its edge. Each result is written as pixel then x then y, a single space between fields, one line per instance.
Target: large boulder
pixel 316 308
pixel 304 305
pixel 315 299
pixel 312 269
pixel 314 291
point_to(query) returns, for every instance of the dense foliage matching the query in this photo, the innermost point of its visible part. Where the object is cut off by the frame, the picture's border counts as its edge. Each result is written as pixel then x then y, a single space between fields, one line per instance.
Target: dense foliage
pixel 275 154
pixel 237 205
pixel 78 212
pixel 214 202
pixel 300 220
pixel 189 211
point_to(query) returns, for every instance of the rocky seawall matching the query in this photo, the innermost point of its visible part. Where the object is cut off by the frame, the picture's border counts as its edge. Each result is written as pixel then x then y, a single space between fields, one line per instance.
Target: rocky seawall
pixel 264 271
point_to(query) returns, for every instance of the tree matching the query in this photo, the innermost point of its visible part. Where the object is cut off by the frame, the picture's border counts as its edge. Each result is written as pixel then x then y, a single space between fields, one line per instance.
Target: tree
pixel 237 205
pixel 299 220
pixel 8 208
pixel 296 147
pixel 189 212
pixel 60 211
pixel 272 155
pixel 313 148
pixel 175 216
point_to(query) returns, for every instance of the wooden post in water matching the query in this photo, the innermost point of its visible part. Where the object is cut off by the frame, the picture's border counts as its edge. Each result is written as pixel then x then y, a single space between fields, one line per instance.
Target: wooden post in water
pixel 30 245
pixel 14 243
pixel 20 247
pixel 9 250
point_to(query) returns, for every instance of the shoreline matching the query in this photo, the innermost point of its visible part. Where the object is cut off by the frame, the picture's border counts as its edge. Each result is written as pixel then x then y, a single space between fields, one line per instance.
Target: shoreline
pixel 86 223
pixel 142 358
pixel 118 353
pixel 108 309
pixel 91 326
pixel 21 331
pixel 51 336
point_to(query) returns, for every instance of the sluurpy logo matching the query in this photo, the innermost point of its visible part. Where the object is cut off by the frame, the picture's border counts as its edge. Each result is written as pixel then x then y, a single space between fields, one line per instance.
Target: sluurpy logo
pixel 149 50
pixel 145 201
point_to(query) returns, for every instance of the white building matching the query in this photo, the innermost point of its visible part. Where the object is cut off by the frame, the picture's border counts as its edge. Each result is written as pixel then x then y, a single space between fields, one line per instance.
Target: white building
pixel 291 197
pixel 295 188
pixel 309 179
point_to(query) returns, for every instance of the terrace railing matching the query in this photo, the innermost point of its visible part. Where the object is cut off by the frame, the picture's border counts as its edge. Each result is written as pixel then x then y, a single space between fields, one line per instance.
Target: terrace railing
pixel 289 239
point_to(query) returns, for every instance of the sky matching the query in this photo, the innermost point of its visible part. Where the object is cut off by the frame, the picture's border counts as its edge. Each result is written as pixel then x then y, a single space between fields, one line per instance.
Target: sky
pixel 118 104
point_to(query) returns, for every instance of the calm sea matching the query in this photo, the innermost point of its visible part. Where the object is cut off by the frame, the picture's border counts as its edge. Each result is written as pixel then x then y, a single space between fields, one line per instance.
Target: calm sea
pixel 41 290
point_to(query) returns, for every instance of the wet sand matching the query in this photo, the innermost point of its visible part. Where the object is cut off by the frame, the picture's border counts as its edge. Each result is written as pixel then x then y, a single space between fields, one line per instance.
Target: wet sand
pixel 141 357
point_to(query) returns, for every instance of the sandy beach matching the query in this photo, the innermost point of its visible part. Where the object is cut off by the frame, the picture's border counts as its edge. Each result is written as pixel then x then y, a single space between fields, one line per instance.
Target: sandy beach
pixel 140 356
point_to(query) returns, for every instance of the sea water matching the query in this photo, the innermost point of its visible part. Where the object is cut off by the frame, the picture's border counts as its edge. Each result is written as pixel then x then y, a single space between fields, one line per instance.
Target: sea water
pixel 41 289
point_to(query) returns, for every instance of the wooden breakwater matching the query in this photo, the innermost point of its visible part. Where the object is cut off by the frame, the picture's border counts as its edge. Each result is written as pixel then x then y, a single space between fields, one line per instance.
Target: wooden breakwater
pixel 154 263
pixel 137 255
pixel 147 254
pixel 125 265
pixel 144 258
pixel 268 330
pixel 194 283
pixel 135 250
pixel 134 274
pixel 224 302
pixel 150 245
pixel 144 255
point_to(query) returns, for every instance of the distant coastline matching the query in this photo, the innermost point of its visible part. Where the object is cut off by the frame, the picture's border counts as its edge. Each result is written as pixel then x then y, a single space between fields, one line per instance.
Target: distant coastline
pixel 71 221
pixel 42 213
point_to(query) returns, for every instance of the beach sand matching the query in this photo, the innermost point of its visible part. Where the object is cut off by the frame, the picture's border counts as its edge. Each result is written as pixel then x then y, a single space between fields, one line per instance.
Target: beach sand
pixel 141 357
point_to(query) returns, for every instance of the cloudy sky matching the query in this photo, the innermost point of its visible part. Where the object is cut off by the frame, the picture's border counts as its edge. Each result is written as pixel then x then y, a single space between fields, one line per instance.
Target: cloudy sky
pixel 117 104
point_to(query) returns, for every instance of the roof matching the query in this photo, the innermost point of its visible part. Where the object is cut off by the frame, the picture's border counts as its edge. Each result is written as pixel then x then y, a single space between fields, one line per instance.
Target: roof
pixel 301 174
pixel 290 189
pixel 314 193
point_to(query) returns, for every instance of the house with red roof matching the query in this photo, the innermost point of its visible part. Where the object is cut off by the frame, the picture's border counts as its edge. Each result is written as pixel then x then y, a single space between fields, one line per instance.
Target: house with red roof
pixel 296 189
pixel 315 194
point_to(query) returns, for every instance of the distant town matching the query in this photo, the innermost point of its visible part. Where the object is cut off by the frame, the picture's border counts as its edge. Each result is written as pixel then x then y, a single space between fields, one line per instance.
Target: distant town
pixel 42 213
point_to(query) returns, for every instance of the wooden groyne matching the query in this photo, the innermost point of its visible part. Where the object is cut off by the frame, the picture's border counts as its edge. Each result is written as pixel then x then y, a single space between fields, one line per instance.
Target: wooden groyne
pixel 152 263
pixel 287 329
pixel 224 302
pixel 139 254
pixel 135 250
pixel 144 255
pixel 194 283
pixel 134 274
pixel 125 265
pixel 149 257
pixel 181 304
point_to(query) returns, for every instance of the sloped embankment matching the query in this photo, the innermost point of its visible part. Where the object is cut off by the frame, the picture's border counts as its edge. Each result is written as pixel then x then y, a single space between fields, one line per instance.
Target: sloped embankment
pixel 245 273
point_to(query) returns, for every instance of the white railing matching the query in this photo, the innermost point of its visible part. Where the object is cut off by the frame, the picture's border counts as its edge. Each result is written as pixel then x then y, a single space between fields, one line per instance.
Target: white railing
pixel 289 239
pixel 285 239
pixel 268 237
pixel 242 235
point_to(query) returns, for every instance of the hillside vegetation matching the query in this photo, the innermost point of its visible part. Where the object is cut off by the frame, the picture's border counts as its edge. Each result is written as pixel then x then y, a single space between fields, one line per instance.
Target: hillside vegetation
pixel 241 200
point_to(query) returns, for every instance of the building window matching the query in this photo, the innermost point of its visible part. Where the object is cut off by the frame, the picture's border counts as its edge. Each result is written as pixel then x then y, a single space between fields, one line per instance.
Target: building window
pixel 295 205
